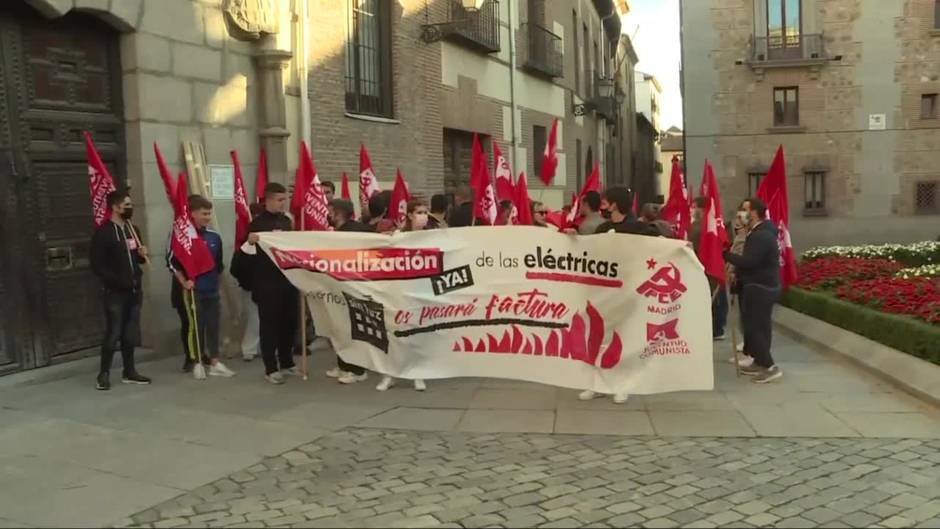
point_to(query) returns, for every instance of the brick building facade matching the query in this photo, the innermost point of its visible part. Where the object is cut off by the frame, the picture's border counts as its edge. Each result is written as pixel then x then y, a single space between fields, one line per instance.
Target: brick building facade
pixel 412 79
pixel 848 88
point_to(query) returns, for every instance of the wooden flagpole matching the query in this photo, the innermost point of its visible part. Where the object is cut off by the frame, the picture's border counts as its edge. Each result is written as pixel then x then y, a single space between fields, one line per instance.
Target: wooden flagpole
pixel 734 336
pixel 303 316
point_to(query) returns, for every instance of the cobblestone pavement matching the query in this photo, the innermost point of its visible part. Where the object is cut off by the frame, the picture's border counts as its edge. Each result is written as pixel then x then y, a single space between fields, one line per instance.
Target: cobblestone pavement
pixel 360 477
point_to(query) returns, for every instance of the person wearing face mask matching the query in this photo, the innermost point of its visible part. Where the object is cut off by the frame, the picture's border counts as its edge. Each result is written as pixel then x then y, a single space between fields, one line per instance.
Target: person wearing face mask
pixel 417 220
pixel 739 228
pixel 116 254
pixel 650 214
pixel 539 214
pixel 758 272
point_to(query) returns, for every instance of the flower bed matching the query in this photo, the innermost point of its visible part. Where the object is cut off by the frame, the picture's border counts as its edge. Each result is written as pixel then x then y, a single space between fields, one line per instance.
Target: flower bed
pixel 830 272
pixel 917 254
pixel 920 271
pixel 918 297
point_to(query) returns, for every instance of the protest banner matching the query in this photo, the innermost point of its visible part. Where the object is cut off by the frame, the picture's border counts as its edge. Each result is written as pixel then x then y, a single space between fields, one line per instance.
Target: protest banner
pixel 609 312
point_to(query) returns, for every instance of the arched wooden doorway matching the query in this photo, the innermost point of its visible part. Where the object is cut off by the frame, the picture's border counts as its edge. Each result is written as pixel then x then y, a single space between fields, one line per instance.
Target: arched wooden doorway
pixel 57 78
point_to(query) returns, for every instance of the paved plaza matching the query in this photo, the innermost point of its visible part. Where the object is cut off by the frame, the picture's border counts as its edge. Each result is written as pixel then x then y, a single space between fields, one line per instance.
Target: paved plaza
pixel 829 445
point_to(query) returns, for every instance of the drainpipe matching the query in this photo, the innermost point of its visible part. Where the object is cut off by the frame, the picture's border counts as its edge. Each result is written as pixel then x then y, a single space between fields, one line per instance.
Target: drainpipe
pixel 512 86
pixel 304 70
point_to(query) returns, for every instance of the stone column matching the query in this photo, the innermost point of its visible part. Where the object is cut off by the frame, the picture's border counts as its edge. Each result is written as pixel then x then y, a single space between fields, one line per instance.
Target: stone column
pixel 270 63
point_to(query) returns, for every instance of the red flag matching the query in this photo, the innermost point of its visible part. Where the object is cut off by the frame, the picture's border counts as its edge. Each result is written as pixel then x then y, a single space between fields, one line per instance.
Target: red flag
pixel 522 203
pixel 308 204
pixel 242 213
pixel 344 187
pixel 261 180
pixel 168 184
pixel 773 191
pixel 398 205
pixel 676 211
pixel 709 188
pixel 593 182
pixel 636 204
pixel 502 174
pixel 100 183
pixel 484 197
pixel 710 242
pixel 368 185
pixel 550 159
pixel 187 247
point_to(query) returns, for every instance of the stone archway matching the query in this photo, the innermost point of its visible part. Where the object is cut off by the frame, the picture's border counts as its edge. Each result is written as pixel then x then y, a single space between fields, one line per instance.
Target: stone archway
pixel 123 15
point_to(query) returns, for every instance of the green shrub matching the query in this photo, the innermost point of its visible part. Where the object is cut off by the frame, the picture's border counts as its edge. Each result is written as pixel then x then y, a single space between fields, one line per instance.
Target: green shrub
pixel 903 333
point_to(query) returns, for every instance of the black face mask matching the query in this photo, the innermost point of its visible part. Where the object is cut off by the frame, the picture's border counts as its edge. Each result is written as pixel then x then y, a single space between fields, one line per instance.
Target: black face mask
pixel 127 213
pixel 605 213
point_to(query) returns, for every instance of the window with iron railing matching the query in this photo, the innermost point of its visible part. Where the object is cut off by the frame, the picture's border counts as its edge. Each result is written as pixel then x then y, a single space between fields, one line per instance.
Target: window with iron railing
pixel 369 59
pixel 927 197
pixel 478 28
pixel 539 139
pixel 784 28
pixel 544 51
pixel 814 192
pixel 753 182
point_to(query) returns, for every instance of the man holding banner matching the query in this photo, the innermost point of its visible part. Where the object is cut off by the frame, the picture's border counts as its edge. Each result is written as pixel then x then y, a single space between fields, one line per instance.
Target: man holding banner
pixel 116 255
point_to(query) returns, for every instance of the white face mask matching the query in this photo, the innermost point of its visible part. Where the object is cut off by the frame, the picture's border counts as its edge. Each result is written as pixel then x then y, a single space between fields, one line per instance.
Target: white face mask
pixel 743 217
pixel 419 221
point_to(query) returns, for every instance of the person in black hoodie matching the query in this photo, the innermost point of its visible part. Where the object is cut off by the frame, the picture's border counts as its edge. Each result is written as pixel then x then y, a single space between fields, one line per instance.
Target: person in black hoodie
pixel 758 273
pixel 277 299
pixel 617 202
pixel 242 269
pixel 116 255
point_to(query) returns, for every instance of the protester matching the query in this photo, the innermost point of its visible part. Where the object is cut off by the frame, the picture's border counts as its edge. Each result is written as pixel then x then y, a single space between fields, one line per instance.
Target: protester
pixel 343 212
pixel 328 189
pixel 462 214
pixel 205 289
pixel 438 216
pixel 650 214
pixel 242 269
pixel 378 212
pixel 539 214
pixel 591 207
pixel 739 234
pixel 504 215
pixel 277 299
pixel 417 220
pixel 616 202
pixel 719 291
pixel 758 271
pixel 116 255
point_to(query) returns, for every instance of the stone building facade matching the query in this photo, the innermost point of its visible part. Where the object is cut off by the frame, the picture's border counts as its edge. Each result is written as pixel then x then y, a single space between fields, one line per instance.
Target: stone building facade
pixel 412 79
pixel 848 88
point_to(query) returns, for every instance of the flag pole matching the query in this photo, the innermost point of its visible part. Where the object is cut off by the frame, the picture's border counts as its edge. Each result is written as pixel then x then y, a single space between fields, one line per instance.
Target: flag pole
pixel 136 237
pixel 734 337
pixel 199 371
pixel 303 318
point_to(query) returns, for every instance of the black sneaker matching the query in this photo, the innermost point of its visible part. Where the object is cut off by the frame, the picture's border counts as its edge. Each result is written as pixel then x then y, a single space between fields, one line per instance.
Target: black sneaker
pixel 135 378
pixel 104 382
pixel 187 366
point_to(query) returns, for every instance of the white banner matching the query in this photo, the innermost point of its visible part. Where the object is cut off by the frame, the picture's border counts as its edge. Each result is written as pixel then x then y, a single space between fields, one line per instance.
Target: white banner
pixel 610 312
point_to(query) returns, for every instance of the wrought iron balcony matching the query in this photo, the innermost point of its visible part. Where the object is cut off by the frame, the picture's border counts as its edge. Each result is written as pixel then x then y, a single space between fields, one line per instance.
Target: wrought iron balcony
pixel 787 52
pixel 476 28
pixel 544 53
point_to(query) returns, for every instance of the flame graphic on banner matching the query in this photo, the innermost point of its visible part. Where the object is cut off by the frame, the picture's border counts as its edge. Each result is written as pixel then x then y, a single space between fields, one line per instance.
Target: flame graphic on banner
pixel 576 342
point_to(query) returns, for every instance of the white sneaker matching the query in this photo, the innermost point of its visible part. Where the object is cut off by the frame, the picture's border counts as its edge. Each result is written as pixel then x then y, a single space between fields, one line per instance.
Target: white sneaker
pixel 420 385
pixel 219 369
pixel 335 373
pixel 588 395
pixel 349 378
pixel 620 398
pixel 275 378
pixel 292 371
pixel 743 360
pixel 740 347
pixel 199 371
pixel 388 382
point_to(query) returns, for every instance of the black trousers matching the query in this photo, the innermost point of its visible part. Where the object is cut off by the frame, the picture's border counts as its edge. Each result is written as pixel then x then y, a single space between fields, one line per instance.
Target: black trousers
pixel 349 368
pixel 184 330
pixel 278 315
pixel 757 307
pixel 122 325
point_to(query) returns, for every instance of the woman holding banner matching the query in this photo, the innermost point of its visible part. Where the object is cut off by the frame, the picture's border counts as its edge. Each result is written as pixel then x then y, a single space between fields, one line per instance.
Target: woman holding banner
pixel 417 220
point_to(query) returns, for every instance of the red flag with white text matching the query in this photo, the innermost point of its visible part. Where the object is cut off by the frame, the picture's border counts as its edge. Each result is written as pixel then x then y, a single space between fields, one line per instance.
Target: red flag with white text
pixel 773 191
pixel 676 211
pixel 368 185
pixel 522 203
pixel 708 188
pixel 100 183
pixel 308 205
pixel 242 212
pixel 502 174
pixel 484 196
pixel 550 157
pixel 398 205
pixel 168 185
pixel 711 243
pixel 187 247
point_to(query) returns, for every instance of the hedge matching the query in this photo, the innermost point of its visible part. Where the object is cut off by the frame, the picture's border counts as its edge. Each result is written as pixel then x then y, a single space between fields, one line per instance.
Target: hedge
pixel 903 333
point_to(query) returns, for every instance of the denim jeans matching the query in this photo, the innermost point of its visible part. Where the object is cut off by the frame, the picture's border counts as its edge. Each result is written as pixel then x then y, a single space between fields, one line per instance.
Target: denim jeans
pixel 720 312
pixel 122 325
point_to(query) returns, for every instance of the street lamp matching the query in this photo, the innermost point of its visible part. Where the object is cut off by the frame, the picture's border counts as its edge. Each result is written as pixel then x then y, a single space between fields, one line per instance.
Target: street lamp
pixel 472 5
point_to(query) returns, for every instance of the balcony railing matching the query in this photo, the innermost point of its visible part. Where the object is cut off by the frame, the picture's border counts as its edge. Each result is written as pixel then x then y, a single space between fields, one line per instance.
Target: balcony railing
pixel 544 51
pixel 787 51
pixel 479 28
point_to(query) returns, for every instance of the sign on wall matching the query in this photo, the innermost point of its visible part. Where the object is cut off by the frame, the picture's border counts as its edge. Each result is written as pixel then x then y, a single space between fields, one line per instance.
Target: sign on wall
pixel 222 181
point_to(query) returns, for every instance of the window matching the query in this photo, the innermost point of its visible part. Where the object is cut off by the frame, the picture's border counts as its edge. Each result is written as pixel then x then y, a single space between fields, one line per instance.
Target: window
pixel 539 137
pixel 784 28
pixel 753 182
pixel 814 191
pixel 586 63
pixel 369 59
pixel 928 106
pixel 576 52
pixel 927 199
pixel 936 14
pixel 786 107
pixel 579 176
